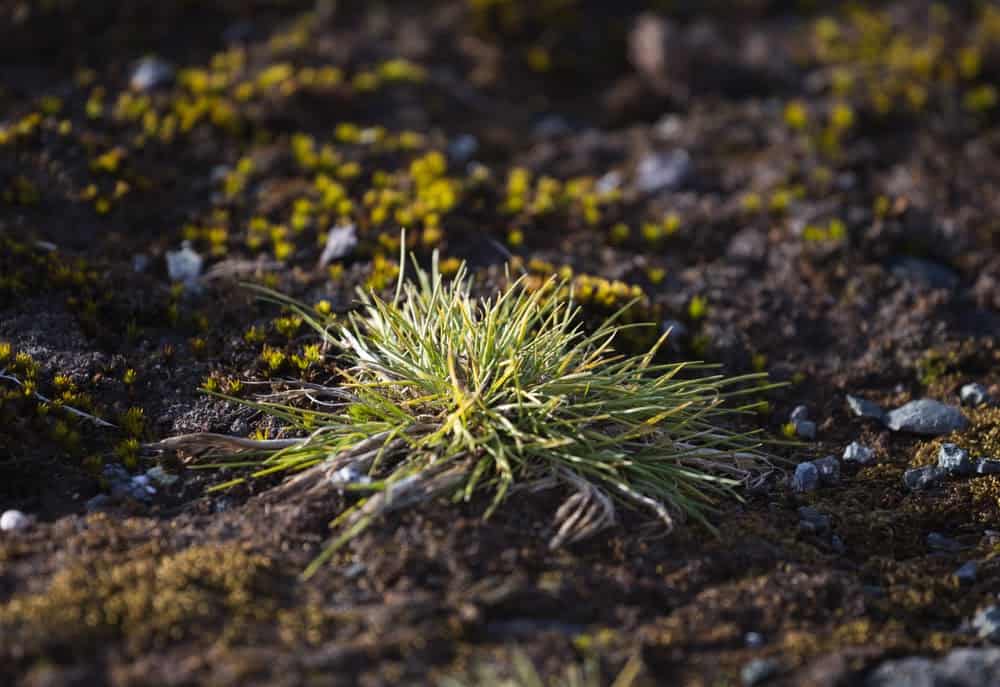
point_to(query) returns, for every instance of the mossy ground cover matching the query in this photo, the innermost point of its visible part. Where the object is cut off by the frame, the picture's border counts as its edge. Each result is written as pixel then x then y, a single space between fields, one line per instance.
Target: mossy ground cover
pixel 825 149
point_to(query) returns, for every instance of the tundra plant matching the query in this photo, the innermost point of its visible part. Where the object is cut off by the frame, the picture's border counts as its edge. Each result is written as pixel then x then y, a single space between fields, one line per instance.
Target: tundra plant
pixel 446 394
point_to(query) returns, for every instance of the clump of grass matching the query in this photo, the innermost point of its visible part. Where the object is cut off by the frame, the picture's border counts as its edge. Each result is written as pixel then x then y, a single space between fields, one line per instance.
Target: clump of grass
pixel 444 393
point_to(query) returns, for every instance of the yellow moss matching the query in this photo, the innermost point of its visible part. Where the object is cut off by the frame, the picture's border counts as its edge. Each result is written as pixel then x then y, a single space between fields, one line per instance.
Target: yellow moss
pixel 147 598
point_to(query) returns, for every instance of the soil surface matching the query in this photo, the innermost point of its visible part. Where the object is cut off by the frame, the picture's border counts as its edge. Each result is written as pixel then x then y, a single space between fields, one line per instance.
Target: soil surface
pixel 809 191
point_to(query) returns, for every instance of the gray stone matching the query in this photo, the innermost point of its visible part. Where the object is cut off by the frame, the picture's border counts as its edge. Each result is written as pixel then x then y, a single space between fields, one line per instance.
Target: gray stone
pixel 811 520
pixel 122 485
pixel 923 478
pixel 926 416
pixel 805 429
pixel 986 623
pixel 753 640
pixel 13 520
pixel 932 274
pixel 758 671
pixel 967 573
pixel 939 542
pixel 97 503
pixel 974 395
pixel 463 147
pixel 666 171
pixel 829 470
pixel 340 241
pixel 986 466
pixel 955 460
pixel 858 453
pixel 185 265
pixel 959 668
pixel 806 477
pixel 799 413
pixel 837 544
pixel 151 73
pixel 864 408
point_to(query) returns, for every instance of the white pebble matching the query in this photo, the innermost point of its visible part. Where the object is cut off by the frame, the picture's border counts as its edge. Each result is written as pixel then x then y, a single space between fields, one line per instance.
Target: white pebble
pixel 13 520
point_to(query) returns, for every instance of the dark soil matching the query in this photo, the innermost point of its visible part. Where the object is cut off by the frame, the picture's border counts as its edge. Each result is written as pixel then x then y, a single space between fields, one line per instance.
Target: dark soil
pixel 836 226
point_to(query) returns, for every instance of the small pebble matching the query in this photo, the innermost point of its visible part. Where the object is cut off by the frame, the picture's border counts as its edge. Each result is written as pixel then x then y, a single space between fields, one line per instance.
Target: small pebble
pixel 806 477
pixel 967 573
pixel 758 671
pixel 799 413
pixel 805 429
pixel 663 171
pixel 923 478
pixel 829 469
pixel 812 520
pixel 184 266
pixel 463 147
pixel 837 544
pixel 753 640
pixel 939 542
pixel 987 623
pixel 151 73
pixel 955 460
pixel 99 502
pixel 858 453
pixel 926 416
pixel 865 408
pixel 349 474
pixel 13 520
pixel 974 395
pixel 985 466
pixel 339 243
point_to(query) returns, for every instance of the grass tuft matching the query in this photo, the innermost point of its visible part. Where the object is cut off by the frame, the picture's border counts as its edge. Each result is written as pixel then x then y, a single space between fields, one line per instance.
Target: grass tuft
pixel 444 393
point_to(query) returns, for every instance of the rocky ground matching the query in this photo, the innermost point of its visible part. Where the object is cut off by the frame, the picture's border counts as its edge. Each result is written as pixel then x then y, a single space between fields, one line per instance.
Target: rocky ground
pixel 808 191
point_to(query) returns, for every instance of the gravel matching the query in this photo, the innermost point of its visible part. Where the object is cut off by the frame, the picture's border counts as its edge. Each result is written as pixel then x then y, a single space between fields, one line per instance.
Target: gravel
pixel 986 623
pixel 184 266
pixel 806 477
pixel 923 478
pixel 758 671
pixel 13 520
pixel 151 73
pixel 974 395
pixel 939 542
pixel 865 408
pixel 829 470
pixel 959 668
pixel 955 460
pixel 858 453
pixel 966 575
pixel 811 520
pixel 986 466
pixel 666 171
pixel 926 416
pixel 805 429
pixel 339 243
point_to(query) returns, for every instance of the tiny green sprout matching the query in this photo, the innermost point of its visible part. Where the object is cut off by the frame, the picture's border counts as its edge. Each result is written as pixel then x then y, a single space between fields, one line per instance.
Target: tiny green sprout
pixel 788 430
pixel 129 377
pixel 133 421
pixel 698 308
pixel 128 452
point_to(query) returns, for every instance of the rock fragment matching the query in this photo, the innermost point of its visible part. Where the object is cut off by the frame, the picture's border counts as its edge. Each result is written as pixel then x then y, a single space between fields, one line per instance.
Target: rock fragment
pixel 829 470
pixel 758 671
pixel 339 243
pixel 959 668
pixel 806 477
pixel 865 408
pixel 926 416
pixel 966 574
pixel 14 520
pixel 986 623
pixel 151 73
pixel 858 453
pixel 955 460
pixel 662 171
pixel 923 478
pixel 974 395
